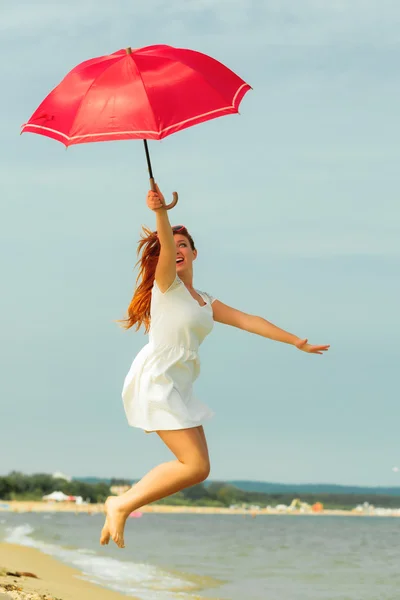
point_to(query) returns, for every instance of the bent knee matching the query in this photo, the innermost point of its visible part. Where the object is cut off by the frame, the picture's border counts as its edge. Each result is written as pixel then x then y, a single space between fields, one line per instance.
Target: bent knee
pixel 201 471
pixel 197 470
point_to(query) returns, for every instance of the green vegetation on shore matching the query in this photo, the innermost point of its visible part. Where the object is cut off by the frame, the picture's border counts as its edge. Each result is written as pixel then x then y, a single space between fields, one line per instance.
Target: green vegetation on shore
pixel 17 486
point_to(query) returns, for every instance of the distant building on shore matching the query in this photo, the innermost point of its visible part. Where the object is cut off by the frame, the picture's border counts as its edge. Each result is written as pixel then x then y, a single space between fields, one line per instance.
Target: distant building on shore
pixel 59 475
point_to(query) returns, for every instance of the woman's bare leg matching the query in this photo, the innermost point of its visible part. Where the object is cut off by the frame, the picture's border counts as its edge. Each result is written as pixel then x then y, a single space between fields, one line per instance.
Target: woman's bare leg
pixel 192 466
pixel 203 437
pixel 105 534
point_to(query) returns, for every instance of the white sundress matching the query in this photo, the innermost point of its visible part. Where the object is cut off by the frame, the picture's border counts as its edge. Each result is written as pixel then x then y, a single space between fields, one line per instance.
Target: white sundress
pixel 158 389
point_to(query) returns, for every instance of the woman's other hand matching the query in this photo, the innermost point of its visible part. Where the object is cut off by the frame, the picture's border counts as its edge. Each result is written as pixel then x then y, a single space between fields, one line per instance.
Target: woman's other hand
pixel 305 347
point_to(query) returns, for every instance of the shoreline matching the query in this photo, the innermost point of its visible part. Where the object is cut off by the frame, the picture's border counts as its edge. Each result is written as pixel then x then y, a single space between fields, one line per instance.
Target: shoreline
pixel 23 506
pixel 55 580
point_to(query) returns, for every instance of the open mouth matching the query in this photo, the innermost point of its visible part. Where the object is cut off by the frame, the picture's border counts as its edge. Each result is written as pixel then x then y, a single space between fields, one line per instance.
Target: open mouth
pixel 179 261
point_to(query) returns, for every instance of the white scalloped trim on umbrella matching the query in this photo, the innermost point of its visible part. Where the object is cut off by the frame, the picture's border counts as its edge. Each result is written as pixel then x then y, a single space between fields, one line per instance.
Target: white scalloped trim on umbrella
pixel 138 132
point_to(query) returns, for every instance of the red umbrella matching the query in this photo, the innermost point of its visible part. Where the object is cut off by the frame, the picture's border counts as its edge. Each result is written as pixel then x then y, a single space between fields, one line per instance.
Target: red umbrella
pixel 146 93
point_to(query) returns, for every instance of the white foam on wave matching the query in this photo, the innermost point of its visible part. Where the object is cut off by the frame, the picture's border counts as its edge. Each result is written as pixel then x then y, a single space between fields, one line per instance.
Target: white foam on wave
pixel 20 535
pixel 144 581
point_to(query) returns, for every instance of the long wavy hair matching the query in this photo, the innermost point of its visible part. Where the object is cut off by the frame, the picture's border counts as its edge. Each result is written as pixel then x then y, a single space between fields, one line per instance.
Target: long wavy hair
pixel 148 252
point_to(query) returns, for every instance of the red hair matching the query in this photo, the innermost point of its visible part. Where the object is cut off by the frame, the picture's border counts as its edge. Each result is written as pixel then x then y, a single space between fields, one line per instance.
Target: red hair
pixel 148 252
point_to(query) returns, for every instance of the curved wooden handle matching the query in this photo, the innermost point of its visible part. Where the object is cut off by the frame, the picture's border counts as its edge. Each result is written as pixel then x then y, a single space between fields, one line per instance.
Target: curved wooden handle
pixel 174 201
pixel 174 195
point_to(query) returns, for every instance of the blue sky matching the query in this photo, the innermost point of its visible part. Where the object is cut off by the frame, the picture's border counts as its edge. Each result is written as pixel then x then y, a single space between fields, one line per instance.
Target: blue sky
pixel 294 208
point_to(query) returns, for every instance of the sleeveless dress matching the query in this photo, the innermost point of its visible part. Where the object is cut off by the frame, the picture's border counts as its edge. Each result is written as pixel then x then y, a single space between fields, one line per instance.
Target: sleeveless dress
pixel 158 389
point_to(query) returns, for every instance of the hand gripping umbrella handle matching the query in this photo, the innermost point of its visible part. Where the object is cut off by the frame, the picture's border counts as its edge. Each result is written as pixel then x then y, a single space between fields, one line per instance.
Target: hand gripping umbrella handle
pixel 174 195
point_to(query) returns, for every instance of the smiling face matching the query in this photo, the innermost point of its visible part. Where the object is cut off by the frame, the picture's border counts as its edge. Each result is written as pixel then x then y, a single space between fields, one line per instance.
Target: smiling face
pixel 185 255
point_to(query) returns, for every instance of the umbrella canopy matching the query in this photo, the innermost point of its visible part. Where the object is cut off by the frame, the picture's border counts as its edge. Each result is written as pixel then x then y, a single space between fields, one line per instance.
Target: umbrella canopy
pixel 145 93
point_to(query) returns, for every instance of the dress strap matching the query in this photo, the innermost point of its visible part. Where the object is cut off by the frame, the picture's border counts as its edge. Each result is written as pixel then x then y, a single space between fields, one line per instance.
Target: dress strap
pixel 206 297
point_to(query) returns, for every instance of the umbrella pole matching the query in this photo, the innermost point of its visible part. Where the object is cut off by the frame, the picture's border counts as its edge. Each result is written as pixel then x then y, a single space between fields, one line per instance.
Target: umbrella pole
pixel 128 50
pixel 146 149
pixel 153 183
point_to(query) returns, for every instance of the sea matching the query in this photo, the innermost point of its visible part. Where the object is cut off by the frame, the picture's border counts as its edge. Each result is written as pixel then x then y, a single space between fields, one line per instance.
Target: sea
pixel 221 557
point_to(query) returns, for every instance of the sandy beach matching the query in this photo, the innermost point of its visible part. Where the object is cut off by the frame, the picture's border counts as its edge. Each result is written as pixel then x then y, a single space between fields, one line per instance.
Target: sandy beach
pixel 55 580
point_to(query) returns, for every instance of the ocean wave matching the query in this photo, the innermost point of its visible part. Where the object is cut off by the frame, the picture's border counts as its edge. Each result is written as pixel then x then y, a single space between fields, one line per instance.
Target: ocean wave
pixel 142 580
pixel 20 535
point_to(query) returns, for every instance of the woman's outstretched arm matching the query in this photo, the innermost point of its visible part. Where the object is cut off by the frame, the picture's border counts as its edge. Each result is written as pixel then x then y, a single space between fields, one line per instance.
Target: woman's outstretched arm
pixel 231 316
pixel 166 266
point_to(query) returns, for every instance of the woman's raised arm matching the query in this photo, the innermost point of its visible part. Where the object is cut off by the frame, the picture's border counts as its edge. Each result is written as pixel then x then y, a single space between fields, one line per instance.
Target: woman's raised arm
pixel 166 266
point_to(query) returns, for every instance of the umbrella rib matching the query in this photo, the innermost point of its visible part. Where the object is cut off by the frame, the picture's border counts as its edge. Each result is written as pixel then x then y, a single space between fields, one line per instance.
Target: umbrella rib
pixel 147 96
pixel 80 105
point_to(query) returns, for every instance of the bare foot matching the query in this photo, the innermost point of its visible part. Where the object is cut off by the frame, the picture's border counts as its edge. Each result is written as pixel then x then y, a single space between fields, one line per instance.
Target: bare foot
pixel 116 519
pixel 105 534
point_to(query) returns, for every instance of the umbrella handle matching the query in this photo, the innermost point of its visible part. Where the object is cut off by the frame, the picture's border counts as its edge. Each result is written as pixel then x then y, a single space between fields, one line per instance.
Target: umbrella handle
pixel 174 201
pixel 174 195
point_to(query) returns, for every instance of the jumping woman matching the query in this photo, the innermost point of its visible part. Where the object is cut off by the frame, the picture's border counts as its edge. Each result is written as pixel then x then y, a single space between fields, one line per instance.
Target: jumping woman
pixel 158 390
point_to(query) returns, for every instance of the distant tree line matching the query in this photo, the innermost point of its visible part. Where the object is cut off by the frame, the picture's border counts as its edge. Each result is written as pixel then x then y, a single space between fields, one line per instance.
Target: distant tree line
pixel 17 486
pixel 222 494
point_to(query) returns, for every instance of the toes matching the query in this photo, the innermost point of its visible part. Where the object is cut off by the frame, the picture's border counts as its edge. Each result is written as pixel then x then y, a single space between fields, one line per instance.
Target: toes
pixel 105 535
pixel 118 541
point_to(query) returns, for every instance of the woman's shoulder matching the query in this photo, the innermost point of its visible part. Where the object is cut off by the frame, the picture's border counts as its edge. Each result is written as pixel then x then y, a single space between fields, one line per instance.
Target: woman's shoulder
pixel 176 284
